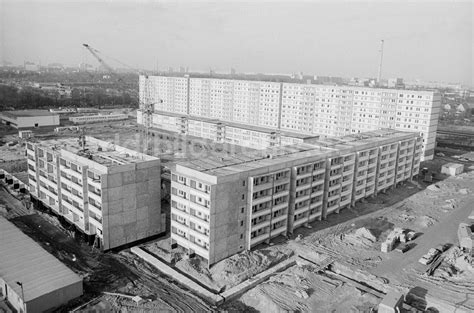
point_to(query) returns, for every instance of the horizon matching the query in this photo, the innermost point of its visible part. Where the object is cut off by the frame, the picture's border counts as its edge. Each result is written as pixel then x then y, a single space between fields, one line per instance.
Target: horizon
pixel 423 41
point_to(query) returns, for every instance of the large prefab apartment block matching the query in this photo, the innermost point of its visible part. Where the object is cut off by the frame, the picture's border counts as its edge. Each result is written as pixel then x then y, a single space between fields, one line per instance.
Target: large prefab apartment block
pixel 109 193
pixel 311 109
pixel 219 131
pixel 222 206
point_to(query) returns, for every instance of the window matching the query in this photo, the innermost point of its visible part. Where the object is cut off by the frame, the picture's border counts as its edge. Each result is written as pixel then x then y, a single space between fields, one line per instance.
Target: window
pixel 243 197
pixel 243 183
pixel 242 210
pixel 241 236
pixel 241 223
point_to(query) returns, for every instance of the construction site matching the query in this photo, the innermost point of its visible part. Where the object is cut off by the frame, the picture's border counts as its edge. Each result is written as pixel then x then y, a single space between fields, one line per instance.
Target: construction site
pixel 349 261
pixel 237 192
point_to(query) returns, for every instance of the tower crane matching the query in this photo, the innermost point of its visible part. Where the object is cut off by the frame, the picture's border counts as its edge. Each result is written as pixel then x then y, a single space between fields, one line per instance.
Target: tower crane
pixel 147 111
pixel 379 76
pixel 146 108
pixel 95 53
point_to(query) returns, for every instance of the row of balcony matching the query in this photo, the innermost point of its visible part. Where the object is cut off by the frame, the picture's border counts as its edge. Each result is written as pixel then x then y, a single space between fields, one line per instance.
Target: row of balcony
pixel 267 233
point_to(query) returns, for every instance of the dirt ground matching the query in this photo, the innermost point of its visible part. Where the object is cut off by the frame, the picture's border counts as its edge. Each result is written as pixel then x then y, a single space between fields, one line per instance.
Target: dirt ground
pixel 120 272
pixel 302 289
pixel 224 274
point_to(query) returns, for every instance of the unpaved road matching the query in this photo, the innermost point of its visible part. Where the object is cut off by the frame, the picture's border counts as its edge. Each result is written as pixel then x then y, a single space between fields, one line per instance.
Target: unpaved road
pixel 14 206
pixel 113 272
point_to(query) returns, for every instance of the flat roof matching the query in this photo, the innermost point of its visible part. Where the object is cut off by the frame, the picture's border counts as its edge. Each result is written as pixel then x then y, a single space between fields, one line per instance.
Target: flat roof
pixel 221 166
pixel 102 152
pixel 282 78
pixel 453 165
pixel 27 113
pixel 23 260
pixel 261 129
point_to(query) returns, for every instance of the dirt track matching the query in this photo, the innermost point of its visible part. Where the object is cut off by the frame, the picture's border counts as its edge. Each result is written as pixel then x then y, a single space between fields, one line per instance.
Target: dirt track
pixel 114 272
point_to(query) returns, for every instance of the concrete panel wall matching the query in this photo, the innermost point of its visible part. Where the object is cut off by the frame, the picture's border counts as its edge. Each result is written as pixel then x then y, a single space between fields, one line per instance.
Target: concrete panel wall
pixel 48 120
pixel 227 222
pixel 54 299
pixel 131 204
pixel 13 298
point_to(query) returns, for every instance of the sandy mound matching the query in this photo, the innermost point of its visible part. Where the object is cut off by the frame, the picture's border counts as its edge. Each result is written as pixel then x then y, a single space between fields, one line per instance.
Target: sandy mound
pixel 425 221
pixel 235 269
pixel 362 237
pixel 301 289
pixel 244 265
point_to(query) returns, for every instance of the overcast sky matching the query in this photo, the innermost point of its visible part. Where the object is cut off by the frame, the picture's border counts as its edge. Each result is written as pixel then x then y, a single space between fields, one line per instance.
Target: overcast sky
pixel 425 40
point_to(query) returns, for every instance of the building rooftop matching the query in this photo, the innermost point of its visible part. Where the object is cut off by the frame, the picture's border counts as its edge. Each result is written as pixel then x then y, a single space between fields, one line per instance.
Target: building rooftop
pixel 23 260
pixel 99 151
pixel 222 166
pixel 285 78
pixel 239 125
pixel 27 113
pixel 453 165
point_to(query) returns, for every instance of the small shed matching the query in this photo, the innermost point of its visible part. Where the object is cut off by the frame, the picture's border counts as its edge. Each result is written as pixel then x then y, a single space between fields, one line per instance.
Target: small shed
pixel 25 134
pixel 452 169
pixel 31 279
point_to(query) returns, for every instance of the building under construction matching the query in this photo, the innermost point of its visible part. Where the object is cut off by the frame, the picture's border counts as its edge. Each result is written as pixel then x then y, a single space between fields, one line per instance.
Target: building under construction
pixel 110 194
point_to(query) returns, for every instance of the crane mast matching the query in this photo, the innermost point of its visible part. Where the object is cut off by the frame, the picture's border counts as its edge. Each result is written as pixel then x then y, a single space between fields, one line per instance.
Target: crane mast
pixel 379 78
pixel 147 110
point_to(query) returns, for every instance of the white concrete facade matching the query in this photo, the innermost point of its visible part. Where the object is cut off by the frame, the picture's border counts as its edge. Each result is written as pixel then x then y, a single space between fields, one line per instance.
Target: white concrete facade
pixel 97 118
pixel 308 108
pixel 109 192
pixel 225 132
pixel 164 93
pixel 222 207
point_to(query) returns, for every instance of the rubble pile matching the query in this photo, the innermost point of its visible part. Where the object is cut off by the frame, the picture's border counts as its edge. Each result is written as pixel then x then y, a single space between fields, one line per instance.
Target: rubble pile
pixel 362 237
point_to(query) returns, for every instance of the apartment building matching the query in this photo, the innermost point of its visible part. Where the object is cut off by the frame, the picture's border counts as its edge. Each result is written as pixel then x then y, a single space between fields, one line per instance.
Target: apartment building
pixel 216 130
pixel 109 193
pixel 164 93
pixel 206 128
pixel 220 207
pixel 309 108
pixel 98 118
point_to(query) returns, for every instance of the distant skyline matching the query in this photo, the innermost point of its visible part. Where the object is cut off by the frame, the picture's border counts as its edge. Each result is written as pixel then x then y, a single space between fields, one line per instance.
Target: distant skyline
pixel 423 40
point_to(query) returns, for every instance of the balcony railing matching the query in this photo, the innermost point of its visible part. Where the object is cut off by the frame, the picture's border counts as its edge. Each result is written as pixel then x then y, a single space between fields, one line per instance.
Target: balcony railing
pixel 257 239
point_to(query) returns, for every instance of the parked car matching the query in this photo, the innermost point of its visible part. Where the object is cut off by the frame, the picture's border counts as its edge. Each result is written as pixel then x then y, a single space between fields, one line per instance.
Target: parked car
pixel 442 247
pixel 429 257
pixel 404 247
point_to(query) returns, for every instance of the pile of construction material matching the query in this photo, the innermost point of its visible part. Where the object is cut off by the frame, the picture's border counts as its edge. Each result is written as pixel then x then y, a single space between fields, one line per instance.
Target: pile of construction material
pixel 397 235
pixel 362 237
